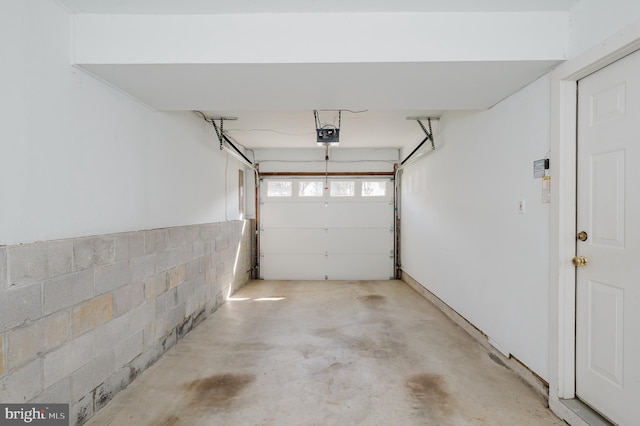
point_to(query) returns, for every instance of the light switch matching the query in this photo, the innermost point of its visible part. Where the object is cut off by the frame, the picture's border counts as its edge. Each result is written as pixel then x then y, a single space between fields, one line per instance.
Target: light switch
pixel 521 206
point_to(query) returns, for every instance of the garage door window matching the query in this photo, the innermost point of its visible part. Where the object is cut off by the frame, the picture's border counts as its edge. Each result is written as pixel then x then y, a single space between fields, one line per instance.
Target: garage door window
pixel 342 188
pixel 374 188
pixel 279 188
pixel 310 189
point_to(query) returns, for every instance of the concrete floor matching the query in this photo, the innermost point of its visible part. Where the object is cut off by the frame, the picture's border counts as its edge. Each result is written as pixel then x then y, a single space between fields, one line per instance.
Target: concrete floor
pixel 327 353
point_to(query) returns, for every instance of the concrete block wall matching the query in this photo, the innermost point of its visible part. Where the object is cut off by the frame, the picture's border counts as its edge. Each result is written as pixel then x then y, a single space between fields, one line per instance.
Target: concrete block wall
pixel 81 318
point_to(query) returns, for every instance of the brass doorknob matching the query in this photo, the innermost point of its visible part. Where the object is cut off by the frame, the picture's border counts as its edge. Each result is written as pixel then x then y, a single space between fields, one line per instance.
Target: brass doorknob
pixel 579 261
pixel 582 236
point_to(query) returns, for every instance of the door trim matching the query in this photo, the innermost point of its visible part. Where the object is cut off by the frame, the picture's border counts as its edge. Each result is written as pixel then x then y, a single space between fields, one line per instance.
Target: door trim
pixel 563 122
pixel 334 257
pixel 390 175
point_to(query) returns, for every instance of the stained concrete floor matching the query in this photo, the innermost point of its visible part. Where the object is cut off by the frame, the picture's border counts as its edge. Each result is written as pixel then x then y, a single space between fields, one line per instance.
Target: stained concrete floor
pixel 327 353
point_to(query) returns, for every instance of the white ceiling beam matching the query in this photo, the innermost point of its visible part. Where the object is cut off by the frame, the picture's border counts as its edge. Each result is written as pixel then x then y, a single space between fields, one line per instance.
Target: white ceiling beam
pixel 319 38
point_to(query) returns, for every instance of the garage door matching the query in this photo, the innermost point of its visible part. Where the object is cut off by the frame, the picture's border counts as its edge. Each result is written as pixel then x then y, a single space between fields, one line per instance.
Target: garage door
pixel 335 229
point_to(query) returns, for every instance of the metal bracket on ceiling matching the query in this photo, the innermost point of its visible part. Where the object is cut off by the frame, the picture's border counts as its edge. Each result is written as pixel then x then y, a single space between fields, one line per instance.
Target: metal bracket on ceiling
pixel 222 137
pixel 220 130
pixel 429 134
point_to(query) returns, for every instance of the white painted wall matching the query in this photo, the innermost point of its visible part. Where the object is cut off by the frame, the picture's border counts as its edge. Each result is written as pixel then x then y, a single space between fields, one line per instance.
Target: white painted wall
pixel 591 21
pixel 340 160
pixel 466 241
pixel 80 158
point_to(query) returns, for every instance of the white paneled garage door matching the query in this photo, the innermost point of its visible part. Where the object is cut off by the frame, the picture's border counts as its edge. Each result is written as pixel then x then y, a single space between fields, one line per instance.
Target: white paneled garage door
pixel 314 229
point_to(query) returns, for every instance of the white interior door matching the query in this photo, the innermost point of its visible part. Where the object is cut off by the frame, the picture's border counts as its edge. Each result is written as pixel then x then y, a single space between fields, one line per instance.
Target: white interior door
pixel 608 287
pixel 340 229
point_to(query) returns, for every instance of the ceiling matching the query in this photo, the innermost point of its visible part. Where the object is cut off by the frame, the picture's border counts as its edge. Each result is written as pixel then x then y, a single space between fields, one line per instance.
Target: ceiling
pixel 274 103
pixel 282 97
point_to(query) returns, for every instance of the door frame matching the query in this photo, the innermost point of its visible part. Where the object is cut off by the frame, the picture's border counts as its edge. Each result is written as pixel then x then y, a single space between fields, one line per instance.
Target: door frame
pixel 383 175
pixel 563 141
